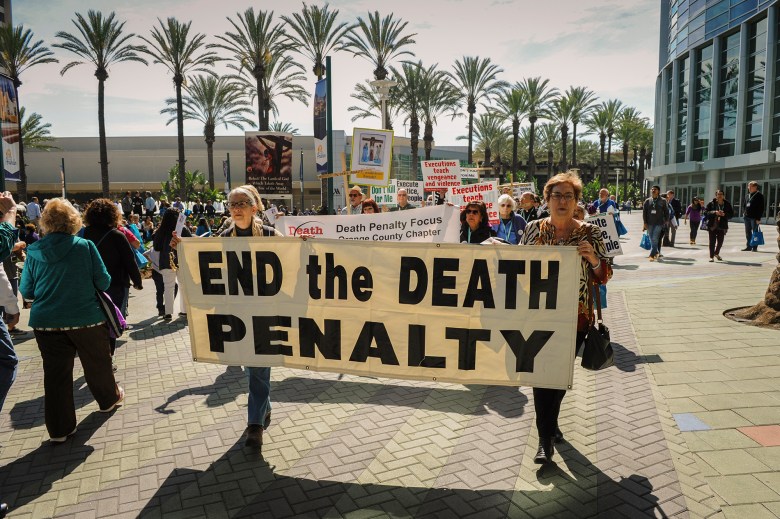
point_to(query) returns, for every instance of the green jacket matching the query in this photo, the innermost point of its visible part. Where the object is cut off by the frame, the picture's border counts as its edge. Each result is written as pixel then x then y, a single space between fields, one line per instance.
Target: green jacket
pixel 61 274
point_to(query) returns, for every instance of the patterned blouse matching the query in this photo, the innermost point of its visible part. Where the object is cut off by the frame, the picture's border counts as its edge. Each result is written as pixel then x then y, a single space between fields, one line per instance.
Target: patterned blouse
pixel 542 232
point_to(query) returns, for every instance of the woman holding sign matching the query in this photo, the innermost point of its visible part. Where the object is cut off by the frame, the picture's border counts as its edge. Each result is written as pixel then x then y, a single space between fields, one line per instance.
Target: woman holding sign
pixel 561 228
pixel 474 225
pixel 510 225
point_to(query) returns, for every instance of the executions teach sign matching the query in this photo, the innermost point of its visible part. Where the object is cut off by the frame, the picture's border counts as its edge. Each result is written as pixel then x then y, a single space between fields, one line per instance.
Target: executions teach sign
pixel 443 312
pixel 439 224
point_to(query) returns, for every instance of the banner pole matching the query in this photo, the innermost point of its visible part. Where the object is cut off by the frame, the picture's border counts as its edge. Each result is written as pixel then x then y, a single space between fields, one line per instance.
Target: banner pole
pixel 62 174
pixel 329 124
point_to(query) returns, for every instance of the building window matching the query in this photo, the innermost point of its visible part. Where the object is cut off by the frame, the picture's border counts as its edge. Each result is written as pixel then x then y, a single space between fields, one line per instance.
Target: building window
pixel 682 107
pixel 756 77
pixel 668 136
pixel 701 110
pixel 727 101
pixel 776 100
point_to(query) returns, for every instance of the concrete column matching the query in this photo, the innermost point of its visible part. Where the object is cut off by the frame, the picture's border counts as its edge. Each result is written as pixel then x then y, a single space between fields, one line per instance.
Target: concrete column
pixel 714 95
pixel 769 84
pixel 693 55
pixel 675 120
pixel 744 42
pixel 712 184
pixel 661 159
pixel 658 123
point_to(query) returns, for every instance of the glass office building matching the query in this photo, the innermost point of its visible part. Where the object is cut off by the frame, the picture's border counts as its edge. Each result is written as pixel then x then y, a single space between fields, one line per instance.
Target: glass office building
pixel 717 100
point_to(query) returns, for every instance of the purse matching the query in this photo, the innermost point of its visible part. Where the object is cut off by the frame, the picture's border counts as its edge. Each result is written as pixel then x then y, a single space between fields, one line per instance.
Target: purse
pixel 598 353
pixel 757 238
pixel 114 319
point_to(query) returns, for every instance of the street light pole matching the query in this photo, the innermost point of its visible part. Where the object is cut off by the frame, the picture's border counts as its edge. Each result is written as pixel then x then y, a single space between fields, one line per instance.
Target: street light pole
pixel 382 88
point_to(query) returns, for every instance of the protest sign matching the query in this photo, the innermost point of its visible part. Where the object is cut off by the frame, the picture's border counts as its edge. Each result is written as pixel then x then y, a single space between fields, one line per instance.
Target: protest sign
pixel 606 222
pixel 439 175
pixel 484 191
pixel 384 195
pixel 371 157
pixel 437 312
pixel 269 162
pixel 440 224
pixel 389 195
pixel 270 214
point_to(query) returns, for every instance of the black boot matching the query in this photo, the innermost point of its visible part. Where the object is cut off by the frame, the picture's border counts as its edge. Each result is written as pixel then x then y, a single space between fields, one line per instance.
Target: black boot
pixel 545 452
pixel 558 436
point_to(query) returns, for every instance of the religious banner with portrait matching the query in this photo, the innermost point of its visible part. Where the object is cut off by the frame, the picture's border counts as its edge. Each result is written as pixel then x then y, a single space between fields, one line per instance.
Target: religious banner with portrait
pixel 9 124
pixel 269 162
pixel 371 157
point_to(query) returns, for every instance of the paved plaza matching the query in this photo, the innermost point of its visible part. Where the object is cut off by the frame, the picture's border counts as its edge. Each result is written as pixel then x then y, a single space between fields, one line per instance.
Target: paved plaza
pixel 686 425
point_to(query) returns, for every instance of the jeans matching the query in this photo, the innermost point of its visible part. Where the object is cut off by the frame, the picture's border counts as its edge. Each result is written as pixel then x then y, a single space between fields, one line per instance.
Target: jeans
pixel 694 229
pixel 716 241
pixel 750 226
pixel 8 362
pixel 259 404
pixel 654 231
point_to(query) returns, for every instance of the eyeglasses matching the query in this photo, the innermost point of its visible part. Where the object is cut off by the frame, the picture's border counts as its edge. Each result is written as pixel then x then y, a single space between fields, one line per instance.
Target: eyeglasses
pixel 472 211
pixel 505 205
pixel 561 196
pixel 352 195
pixel 243 204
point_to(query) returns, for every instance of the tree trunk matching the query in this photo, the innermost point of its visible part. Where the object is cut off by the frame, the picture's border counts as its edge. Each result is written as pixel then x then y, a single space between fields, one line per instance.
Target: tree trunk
pixel 766 312
pixel 21 188
pixel 641 172
pixel 428 139
pixel 602 174
pixel 574 144
pixel 625 174
pixel 102 133
pixel 414 144
pixel 550 159
pixel 178 80
pixel 609 154
pixel 210 139
pixel 636 164
pixel 531 159
pixel 515 138
pixel 471 133
pixel 564 138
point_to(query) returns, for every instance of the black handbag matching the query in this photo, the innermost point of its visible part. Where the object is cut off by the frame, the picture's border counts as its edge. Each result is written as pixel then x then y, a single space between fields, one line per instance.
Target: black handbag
pixel 598 353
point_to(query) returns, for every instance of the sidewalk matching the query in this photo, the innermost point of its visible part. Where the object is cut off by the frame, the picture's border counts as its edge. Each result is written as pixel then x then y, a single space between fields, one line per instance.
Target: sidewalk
pixel 681 427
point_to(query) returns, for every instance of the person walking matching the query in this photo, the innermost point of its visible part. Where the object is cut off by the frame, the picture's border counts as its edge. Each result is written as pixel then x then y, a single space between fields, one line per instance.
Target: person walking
pixel 150 204
pixel 675 209
pixel 655 215
pixel 719 211
pixel 754 211
pixel 694 212
pixel 34 212
pixel 163 273
pixel 61 275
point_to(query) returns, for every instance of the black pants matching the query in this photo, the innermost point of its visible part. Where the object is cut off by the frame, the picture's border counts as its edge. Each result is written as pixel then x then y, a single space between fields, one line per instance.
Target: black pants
pixel 716 241
pixel 694 229
pixel 547 404
pixel 58 349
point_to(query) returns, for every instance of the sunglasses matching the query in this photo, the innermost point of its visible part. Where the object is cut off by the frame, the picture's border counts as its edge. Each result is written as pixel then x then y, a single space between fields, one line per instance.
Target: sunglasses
pixel 353 196
pixel 472 211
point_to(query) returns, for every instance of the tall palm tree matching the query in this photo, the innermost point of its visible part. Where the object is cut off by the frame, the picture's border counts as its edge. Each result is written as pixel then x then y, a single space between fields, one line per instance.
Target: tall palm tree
pixel 561 113
pixel 380 41
pixel 17 54
pixel 100 42
pixel 511 106
pixel 538 96
pixel 35 133
pixel 582 101
pixel 407 96
pixel 438 97
pixel 280 127
pixel 644 139
pixel 477 80
pixel 211 101
pixel 371 105
pixel 172 46
pixel 598 122
pixel 613 107
pixel 627 127
pixel 491 136
pixel 316 34
pixel 255 43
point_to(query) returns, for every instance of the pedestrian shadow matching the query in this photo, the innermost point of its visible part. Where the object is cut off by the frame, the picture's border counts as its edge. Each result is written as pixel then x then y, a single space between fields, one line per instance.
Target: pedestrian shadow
pixel 27 478
pixel 625 267
pixel 30 413
pixel 505 400
pixel 226 387
pixel 159 329
pixel 672 260
pixel 625 359
pixel 741 263
pixel 257 490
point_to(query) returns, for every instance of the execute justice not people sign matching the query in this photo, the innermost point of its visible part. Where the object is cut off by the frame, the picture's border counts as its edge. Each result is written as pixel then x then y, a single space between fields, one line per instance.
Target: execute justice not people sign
pixel 443 312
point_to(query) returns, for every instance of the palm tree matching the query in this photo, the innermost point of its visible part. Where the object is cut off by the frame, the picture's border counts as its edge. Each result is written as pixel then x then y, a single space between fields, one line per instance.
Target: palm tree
pixel 211 101
pixel 17 54
pixel 379 41
pixel 491 137
pixel 255 43
pixel 477 80
pixel 371 105
pixel 582 101
pixel 35 135
pixel 561 113
pixel 172 46
pixel 538 96
pixel 598 122
pixel 407 96
pixel 438 96
pixel 100 42
pixel 317 34
pixel 280 127
pixel 644 139
pixel 627 127
pixel 613 107
pixel 511 105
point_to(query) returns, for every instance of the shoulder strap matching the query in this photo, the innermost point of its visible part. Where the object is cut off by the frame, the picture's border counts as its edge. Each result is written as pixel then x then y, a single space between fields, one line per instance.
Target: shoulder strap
pixel 103 237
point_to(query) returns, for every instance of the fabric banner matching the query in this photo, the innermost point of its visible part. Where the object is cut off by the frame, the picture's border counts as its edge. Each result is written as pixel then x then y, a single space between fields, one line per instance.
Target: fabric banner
pixel 439 175
pixel 609 233
pixel 484 191
pixel 439 224
pixel 445 312
pixel 269 162
pixel 9 125
pixel 321 126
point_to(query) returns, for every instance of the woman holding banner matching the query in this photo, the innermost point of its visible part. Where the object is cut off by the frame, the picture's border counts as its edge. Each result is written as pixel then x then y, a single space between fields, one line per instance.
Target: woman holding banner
pixel 561 228
pixel 510 225
pixel 244 204
pixel 474 226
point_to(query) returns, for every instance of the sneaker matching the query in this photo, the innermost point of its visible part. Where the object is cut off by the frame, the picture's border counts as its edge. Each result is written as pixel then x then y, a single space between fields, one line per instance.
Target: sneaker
pixel 717 256
pixel 61 439
pixel 117 403
pixel 182 314
pixel 652 258
pixel 660 255
pixel 711 260
pixel 254 436
pixel 167 317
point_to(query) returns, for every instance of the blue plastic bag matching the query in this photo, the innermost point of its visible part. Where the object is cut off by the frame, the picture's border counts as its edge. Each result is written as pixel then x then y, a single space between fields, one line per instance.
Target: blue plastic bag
pixel 602 295
pixel 140 259
pixel 621 229
pixel 645 242
pixel 757 238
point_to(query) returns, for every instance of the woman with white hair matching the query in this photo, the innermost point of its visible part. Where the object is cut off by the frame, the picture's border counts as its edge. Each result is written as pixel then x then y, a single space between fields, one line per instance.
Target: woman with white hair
pixel 511 225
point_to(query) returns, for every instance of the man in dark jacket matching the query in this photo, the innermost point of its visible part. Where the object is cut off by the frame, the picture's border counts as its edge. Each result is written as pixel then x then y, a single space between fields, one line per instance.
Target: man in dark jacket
pixel 655 215
pixel 754 210
pixel 676 208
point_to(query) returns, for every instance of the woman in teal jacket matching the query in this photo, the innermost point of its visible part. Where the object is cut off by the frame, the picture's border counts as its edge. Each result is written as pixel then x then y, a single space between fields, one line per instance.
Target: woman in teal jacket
pixel 60 275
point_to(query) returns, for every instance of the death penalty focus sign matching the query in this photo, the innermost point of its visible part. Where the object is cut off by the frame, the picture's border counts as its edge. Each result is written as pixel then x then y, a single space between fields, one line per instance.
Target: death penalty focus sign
pixel 442 312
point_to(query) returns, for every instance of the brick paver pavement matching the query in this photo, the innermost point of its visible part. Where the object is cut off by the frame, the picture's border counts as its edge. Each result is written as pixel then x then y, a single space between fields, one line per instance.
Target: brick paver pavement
pixel 362 447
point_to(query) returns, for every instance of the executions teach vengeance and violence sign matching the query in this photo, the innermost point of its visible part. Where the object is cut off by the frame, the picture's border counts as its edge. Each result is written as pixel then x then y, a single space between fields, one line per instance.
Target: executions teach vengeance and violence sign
pixel 451 313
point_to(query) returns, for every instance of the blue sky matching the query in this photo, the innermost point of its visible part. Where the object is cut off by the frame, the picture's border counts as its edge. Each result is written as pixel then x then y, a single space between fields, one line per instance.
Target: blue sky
pixel 608 46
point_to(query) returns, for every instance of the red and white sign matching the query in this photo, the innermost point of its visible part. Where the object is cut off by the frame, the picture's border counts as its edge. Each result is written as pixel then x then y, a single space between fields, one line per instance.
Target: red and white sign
pixel 484 191
pixel 439 175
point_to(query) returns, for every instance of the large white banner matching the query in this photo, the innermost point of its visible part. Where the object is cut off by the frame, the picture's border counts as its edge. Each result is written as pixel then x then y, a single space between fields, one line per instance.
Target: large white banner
pixel 484 191
pixel 438 224
pixel 439 175
pixel 442 312
pixel 606 222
